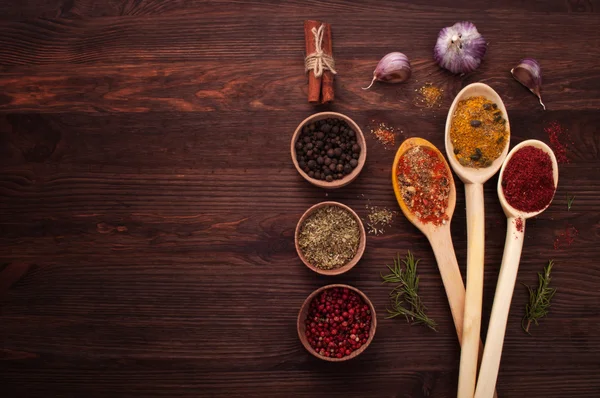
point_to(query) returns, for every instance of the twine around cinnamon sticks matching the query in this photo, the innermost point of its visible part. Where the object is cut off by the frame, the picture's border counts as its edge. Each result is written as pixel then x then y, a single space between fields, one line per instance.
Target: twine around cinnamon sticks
pixel 319 62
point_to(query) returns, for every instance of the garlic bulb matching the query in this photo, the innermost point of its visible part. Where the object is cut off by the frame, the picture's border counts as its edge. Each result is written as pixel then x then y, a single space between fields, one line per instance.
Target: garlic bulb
pixel 459 48
pixel 393 68
pixel 529 74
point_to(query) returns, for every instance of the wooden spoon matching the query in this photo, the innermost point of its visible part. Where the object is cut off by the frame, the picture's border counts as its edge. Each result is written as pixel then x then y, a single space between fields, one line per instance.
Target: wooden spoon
pixel 438 236
pixel 474 178
pixel 494 341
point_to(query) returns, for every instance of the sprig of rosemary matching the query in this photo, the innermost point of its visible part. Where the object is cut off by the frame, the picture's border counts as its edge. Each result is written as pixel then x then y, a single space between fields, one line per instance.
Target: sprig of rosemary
pixel 539 299
pixel 407 291
pixel 570 200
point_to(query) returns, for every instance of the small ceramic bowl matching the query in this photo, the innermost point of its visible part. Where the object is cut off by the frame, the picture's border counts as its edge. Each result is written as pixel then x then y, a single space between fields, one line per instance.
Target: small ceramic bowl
pixel 360 140
pixel 359 251
pixel 302 327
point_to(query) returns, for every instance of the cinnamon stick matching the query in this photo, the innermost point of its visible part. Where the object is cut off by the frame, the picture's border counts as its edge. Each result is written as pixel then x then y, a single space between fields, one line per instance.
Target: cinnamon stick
pixel 328 76
pixel 314 83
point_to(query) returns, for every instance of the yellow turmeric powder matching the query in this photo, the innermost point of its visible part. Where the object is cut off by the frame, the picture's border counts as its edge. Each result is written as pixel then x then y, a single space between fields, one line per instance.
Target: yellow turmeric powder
pixel 478 132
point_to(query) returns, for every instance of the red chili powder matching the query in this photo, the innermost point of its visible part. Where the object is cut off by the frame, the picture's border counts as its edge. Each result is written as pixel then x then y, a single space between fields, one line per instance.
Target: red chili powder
pixel 527 180
pixel 558 141
pixel 519 224
pixel 566 238
pixel 424 182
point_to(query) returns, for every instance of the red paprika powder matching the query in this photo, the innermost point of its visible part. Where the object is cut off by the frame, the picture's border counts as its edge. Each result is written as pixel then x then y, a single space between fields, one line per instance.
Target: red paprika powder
pixel 424 181
pixel 527 181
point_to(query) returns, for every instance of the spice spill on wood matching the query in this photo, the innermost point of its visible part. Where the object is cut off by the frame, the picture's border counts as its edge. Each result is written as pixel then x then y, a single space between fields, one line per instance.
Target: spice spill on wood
pixel 566 238
pixel 384 134
pixel 430 96
pixel 378 219
pixel 424 182
pixel 478 132
pixel 338 322
pixel 527 181
pixel 329 237
pixel 558 137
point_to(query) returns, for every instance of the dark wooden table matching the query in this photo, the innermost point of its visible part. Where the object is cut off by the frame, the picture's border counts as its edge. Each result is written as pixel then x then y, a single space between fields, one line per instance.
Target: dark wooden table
pixel 148 199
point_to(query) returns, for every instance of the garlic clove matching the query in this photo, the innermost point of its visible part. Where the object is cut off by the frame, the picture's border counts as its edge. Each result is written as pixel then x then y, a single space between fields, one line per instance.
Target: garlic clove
pixel 459 48
pixel 529 74
pixel 392 68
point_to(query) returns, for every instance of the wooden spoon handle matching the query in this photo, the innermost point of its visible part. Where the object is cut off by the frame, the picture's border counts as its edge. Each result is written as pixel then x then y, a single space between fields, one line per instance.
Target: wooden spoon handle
pixel 488 374
pixel 474 294
pixel 443 249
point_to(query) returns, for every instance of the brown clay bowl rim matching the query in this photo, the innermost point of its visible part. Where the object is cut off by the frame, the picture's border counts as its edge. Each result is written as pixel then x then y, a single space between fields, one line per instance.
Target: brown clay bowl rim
pixel 302 327
pixel 360 139
pixel 361 245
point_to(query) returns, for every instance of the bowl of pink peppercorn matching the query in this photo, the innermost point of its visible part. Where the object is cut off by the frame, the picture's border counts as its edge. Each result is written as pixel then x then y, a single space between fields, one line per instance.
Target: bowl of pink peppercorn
pixel 336 323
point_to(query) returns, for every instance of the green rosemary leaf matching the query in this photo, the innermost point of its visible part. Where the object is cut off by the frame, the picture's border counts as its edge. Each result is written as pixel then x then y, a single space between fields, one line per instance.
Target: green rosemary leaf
pixel 570 200
pixel 539 299
pixel 407 292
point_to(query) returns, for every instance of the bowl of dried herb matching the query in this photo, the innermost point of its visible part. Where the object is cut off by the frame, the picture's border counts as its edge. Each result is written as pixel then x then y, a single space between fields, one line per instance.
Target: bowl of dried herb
pixel 330 238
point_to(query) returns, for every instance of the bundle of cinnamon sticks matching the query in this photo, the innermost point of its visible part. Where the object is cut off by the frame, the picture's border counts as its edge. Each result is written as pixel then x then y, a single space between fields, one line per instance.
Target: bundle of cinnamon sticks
pixel 320 89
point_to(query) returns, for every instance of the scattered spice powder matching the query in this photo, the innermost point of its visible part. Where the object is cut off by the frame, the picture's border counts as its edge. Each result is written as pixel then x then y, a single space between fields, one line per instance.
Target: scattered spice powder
pixel 384 134
pixel 329 237
pixel 424 182
pixel 519 224
pixel 478 132
pixel 558 141
pixel 566 237
pixel 378 219
pixel 527 181
pixel 430 96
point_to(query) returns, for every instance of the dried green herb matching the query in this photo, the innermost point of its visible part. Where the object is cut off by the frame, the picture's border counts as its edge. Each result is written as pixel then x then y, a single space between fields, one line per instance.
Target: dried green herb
pixel 378 219
pixel 570 200
pixel 539 299
pixel 407 291
pixel 329 237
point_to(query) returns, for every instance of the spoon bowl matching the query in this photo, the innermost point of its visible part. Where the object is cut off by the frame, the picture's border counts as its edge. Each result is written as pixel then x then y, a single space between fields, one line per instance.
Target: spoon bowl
pixel 471 174
pixel 508 209
pixel 426 228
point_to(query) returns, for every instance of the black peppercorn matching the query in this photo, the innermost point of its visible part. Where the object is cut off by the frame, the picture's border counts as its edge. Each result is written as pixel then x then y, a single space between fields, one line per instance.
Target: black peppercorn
pixel 311 174
pixel 320 160
pixel 327 161
pixel 332 167
pixel 354 163
pixel 329 178
pixel 347 168
pixel 340 167
pixel 356 148
pixel 330 152
pixel 320 135
pixel 475 123
pixel 338 152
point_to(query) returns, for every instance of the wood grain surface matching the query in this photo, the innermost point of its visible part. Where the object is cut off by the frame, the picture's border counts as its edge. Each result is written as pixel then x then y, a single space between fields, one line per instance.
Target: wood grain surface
pixel 148 200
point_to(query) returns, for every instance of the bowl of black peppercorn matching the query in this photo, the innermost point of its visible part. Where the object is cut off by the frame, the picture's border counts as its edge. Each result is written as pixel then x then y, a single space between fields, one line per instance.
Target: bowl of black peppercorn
pixel 328 150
